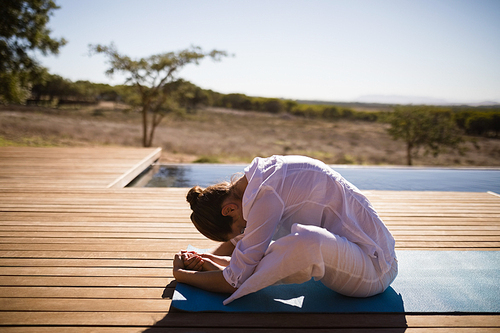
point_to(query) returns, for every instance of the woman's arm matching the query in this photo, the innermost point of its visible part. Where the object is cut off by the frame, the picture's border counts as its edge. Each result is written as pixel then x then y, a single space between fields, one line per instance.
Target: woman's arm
pixel 220 261
pixel 263 219
pixel 207 280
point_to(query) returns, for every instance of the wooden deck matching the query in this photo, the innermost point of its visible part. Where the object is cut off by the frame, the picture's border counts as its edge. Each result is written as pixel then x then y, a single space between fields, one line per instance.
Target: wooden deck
pixel 80 254
pixel 49 168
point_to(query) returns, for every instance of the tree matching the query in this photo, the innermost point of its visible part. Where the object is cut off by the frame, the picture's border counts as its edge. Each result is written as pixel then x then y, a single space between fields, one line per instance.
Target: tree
pixel 153 77
pixel 188 95
pixel 23 31
pixel 427 127
pixel 53 87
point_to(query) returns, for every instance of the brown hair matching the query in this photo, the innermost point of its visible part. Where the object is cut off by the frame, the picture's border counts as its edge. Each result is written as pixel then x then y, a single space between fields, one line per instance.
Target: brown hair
pixel 207 210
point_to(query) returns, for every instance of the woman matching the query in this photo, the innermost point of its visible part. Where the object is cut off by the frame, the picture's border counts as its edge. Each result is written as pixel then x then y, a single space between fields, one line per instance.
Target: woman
pixel 287 220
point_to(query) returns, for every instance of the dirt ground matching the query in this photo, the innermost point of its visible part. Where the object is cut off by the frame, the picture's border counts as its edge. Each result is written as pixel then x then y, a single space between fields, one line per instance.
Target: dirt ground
pixel 228 136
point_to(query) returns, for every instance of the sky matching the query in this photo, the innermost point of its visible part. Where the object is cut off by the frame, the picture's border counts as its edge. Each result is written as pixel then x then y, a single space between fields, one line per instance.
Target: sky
pixel 328 50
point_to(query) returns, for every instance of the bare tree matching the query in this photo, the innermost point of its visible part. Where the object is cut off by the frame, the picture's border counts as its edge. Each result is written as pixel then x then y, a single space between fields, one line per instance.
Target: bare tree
pixel 152 77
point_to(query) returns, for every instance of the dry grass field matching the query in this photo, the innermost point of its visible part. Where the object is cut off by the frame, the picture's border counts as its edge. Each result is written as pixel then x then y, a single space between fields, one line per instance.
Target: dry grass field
pixel 227 136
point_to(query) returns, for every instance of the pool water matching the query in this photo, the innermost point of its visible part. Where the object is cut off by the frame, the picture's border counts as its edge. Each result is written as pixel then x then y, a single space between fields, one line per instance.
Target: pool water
pixel 365 178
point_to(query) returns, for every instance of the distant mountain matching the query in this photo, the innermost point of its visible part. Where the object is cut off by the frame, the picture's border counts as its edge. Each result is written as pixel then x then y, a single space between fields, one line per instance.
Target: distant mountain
pixel 388 100
pixel 397 99
pixel 404 100
pixel 486 103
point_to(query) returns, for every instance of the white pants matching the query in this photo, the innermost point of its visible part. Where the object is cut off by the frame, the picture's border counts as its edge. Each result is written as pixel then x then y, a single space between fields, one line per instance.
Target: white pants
pixel 313 252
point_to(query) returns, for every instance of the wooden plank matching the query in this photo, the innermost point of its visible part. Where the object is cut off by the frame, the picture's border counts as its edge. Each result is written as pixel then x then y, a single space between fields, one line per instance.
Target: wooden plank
pixel 81 292
pixel 87 271
pixel 437 245
pixel 136 170
pixel 135 246
pixel 152 231
pixel 79 281
pixel 83 262
pixel 84 304
pixel 201 321
pixel 427 235
pixel 182 244
pixel 150 244
pixel 147 255
pixel 251 330
pixel 413 235
pixel 104 234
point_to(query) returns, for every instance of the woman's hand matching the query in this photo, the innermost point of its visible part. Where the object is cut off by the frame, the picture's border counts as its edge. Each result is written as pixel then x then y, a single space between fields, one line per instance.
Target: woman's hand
pixel 192 260
pixel 178 265
pixel 212 279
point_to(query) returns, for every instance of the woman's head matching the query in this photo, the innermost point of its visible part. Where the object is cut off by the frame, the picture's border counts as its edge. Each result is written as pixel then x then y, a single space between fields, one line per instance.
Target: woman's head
pixel 207 210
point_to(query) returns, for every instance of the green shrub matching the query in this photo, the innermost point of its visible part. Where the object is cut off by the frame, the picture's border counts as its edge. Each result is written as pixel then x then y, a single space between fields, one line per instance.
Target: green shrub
pixel 207 159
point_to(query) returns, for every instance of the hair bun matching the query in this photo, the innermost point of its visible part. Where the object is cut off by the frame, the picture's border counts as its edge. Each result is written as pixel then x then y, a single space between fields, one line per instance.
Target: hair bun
pixel 193 195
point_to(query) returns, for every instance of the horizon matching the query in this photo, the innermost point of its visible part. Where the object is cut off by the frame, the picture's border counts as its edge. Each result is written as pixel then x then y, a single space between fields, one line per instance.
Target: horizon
pixel 361 51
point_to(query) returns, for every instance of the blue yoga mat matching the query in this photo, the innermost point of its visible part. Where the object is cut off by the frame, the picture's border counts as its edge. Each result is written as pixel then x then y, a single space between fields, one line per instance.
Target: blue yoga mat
pixel 428 282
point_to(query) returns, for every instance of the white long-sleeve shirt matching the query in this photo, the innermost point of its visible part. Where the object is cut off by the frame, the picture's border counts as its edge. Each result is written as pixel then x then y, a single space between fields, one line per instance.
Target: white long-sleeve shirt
pixel 283 190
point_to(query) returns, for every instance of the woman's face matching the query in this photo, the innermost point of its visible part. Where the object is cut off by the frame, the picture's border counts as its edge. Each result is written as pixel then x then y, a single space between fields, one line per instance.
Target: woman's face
pixel 239 224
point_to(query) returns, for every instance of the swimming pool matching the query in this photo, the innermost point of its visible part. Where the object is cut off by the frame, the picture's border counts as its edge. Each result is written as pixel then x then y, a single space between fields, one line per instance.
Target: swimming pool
pixel 365 178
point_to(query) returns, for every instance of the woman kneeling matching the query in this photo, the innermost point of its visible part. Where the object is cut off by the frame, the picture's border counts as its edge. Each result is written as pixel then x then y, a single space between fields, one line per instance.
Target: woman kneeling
pixel 287 220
